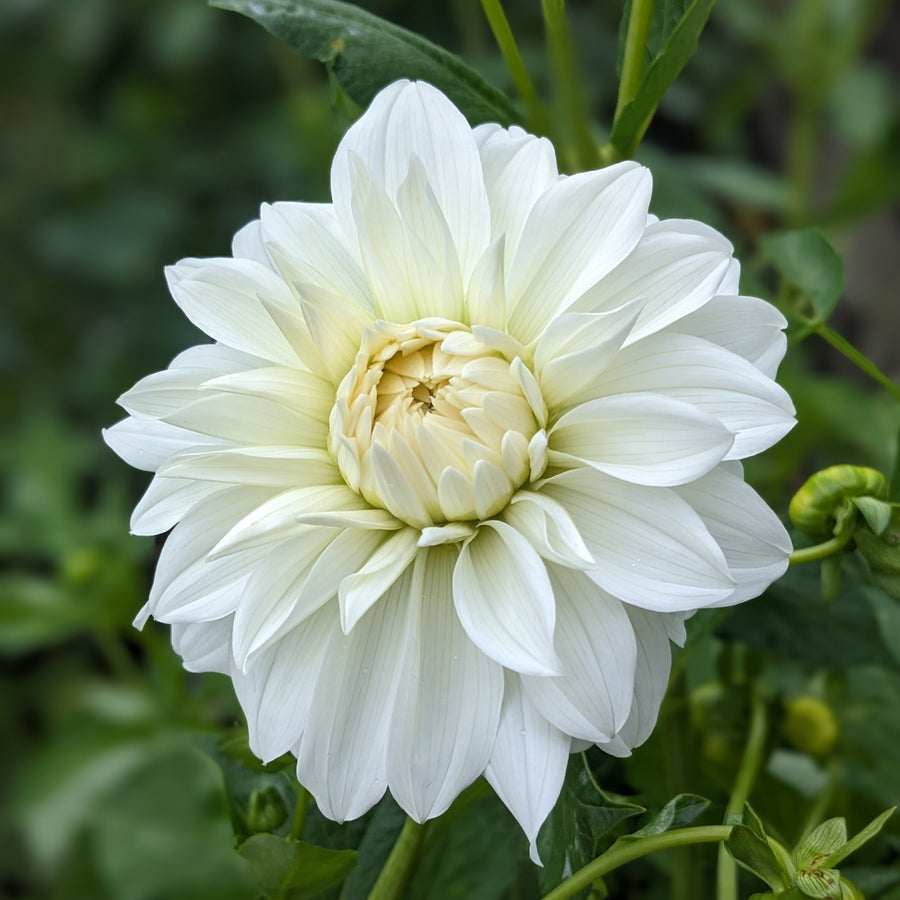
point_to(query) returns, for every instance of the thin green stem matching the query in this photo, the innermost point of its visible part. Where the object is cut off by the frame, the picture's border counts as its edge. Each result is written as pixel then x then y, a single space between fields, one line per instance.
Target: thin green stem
pixel 819 551
pixel 297 826
pixel 499 24
pixel 624 852
pixel 726 876
pixel 859 359
pixel 635 52
pixel 400 864
pixel 584 151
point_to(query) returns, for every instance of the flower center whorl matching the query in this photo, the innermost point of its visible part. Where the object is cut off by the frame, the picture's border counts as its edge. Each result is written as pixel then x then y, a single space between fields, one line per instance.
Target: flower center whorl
pixel 437 424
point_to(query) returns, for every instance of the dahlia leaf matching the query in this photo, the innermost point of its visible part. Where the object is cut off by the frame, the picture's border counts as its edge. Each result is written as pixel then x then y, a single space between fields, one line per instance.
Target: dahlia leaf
pixel 679 45
pixel 285 868
pixel 364 53
pixel 680 810
pixel 809 262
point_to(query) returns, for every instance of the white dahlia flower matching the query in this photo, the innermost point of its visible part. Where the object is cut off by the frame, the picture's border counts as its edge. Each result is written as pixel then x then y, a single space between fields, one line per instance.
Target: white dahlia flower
pixel 460 461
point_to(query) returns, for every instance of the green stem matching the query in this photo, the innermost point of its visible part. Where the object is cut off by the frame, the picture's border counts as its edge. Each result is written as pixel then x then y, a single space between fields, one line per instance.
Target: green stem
pixel 400 864
pixel 844 346
pixel 726 879
pixel 515 64
pixel 565 67
pixel 303 798
pixel 635 51
pixel 819 551
pixel 624 852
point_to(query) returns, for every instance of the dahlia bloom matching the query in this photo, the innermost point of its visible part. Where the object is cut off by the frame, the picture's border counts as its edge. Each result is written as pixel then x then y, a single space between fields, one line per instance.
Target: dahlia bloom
pixel 463 456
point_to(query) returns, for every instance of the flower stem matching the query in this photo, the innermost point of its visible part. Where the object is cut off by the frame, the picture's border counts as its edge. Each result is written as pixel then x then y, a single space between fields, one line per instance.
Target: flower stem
pixel 726 879
pixel 635 51
pixel 297 826
pixel 565 66
pixel 399 866
pixel 499 24
pixel 624 852
pixel 819 551
pixel 857 358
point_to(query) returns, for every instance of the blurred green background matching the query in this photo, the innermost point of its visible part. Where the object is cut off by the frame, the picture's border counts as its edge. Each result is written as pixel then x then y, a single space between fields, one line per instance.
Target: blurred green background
pixel 133 133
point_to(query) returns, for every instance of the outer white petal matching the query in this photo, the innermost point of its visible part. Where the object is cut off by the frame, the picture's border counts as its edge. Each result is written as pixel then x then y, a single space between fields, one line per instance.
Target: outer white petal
pixel 651 548
pixel 222 297
pixel 677 266
pixel 167 500
pixel 276 693
pixel 641 438
pixel 596 644
pixel 357 592
pixel 759 339
pixel 203 646
pixel 755 543
pixel 518 168
pixel 448 701
pixel 342 757
pixel 408 119
pixel 309 236
pixel 528 764
pixel 753 407
pixel 272 589
pixel 549 529
pixel 505 601
pixel 579 229
pixel 146 444
pixel 248 244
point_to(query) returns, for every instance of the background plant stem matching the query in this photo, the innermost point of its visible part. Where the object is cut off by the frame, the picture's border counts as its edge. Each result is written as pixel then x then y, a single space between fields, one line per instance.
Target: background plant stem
pixel 400 864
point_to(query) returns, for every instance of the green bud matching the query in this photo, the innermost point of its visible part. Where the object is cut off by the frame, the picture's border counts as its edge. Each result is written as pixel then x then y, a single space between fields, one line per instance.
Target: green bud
pixel 824 506
pixel 266 811
pixel 810 725
pixel 824 884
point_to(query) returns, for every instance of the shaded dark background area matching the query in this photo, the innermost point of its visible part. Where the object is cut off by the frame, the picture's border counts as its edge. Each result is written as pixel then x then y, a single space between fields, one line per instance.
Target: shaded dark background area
pixel 134 133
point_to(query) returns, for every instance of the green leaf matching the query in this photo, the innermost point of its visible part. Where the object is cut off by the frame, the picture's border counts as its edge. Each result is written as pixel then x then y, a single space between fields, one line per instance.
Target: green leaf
pixel 754 854
pixel 582 814
pixel 675 28
pixel 894 483
pixel 292 869
pixel 364 53
pixel 753 821
pixel 820 842
pixel 859 839
pixel 382 830
pixel 808 262
pixel 877 513
pixel 680 810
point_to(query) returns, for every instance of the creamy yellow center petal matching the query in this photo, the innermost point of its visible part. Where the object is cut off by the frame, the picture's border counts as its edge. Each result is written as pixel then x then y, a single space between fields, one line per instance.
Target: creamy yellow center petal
pixel 436 424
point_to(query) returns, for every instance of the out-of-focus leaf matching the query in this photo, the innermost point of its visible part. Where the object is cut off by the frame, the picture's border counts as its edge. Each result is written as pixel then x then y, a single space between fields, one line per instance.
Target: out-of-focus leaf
pixel 808 262
pixel 680 810
pixel 755 855
pixel 582 815
pixel 675 29
pixel 34 612
pixel 292 869
pixel 382 830
pixel 791 621
pixel 365 53
pixel 165 832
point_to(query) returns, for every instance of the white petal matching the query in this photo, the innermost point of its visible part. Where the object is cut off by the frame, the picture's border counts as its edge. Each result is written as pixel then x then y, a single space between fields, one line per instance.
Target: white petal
pixel 528 764
pixel 641 438
pixel 518 169
pixel 415 118
pixel 166 501
pixel 222 298
pixel 448 701
pixel 651 548
pixel 310 237
pixel 271 592
pixel 755 543
pixel 654 660
pixel 677 266
pixel 277 692
pixel 146 444
pixel 596 644
pixel 248 244
pixel 357 592
pixel 753 407
pixel 342 757
pixel 504 600
pixel 549 528
pixel 203 646
pixel 759 339
pixel 579 229
pixel 486 296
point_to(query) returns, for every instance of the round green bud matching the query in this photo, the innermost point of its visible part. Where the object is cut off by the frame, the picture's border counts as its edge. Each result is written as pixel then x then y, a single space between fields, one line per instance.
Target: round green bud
pixel 810 725
pixel 266 811
pixel 822 503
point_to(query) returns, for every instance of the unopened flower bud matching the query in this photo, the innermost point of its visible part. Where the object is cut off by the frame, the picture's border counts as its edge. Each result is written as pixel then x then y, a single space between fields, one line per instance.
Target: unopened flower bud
pixel 823 506
pixel 810 725
pixel 266 811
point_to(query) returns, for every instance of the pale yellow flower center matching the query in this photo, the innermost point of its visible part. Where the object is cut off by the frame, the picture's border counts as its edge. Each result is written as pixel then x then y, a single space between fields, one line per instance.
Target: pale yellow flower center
pixel 437 424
